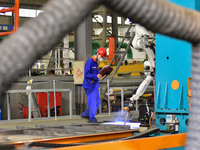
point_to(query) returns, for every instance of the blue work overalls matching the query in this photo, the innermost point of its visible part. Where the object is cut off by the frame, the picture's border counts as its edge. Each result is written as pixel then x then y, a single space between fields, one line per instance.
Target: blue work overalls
pixel 91 86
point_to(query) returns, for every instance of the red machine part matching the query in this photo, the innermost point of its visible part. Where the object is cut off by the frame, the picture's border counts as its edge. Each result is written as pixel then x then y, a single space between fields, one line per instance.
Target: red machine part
pixel 42 102
pixel 111 49
pixel 25 111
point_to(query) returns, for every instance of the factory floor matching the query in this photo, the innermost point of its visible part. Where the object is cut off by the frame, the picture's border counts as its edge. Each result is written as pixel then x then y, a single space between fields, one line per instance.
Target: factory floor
pixel 13 131
pixel 12 124
pixel 64 120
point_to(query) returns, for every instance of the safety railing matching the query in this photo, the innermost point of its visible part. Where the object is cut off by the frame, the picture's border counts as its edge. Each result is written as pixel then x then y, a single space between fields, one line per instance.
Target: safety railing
pixel 30 100
pixel 15 10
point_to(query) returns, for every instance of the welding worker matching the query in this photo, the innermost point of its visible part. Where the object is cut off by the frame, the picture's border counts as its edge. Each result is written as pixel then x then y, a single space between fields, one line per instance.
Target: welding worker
pixel 91 84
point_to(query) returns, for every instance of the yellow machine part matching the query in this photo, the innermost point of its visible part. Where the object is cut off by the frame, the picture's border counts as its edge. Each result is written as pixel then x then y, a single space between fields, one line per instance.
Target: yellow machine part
pixel 132 69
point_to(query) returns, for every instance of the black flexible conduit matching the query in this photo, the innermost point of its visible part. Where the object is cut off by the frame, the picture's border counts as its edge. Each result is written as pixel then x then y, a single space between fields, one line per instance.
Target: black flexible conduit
pixel 40 35
pixel 160 16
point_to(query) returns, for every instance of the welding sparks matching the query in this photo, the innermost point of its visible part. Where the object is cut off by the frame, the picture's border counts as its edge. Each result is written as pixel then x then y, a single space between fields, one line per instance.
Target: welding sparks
pixel 133 125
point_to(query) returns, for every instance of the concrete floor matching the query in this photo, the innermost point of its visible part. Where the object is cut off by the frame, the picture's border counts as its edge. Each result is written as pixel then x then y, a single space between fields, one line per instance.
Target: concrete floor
pixel 13 130
pixel 64 120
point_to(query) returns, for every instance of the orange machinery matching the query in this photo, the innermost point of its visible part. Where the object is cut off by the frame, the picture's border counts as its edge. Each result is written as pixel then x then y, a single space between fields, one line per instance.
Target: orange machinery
pixel 15 10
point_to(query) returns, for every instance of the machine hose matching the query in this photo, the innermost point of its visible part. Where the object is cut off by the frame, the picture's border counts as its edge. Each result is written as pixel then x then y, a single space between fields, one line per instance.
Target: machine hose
pixel 193 137
pixel 160 16
pixel 39 35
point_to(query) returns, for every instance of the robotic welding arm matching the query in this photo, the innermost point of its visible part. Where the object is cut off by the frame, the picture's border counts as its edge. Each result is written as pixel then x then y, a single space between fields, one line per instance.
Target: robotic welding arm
pixel 141 43
pixel 142 88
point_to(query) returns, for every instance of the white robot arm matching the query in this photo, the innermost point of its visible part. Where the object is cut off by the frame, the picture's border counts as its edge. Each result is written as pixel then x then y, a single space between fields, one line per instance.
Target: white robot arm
pixel 141 43
pixel 142 88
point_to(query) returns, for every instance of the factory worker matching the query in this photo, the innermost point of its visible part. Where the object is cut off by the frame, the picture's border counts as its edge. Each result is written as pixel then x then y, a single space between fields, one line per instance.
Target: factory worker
pixel 91 84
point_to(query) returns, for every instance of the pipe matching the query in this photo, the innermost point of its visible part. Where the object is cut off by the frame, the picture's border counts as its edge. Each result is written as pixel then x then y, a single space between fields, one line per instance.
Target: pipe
pixel 160 16
pixel 193 137
pixel 130 92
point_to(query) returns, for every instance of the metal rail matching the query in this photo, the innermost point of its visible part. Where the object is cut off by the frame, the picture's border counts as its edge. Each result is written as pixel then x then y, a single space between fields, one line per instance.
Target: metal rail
pixel 39 91
pixel 122 97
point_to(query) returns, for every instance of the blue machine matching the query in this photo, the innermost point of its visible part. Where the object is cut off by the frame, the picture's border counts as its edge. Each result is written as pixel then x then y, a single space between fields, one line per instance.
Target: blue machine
pixel 173 68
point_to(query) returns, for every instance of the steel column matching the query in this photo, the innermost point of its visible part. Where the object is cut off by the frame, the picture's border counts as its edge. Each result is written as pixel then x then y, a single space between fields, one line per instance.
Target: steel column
pixel 100 106
pixel 104 32
pixel 108 87
pixel 8 106
pixel 70 103
pixel 83 51
pixel 48 103
pixel 56 62
pixel 54 90
pixel 122 99
pixel 29 105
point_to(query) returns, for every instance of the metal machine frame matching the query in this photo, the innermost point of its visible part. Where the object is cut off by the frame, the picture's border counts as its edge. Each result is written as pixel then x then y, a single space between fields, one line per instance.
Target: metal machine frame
pixel 173 69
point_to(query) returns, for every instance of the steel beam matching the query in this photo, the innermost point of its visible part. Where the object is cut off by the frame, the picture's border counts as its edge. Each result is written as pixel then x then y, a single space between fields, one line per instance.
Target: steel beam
pixel 83 51
pixel 151 143
pixel 83 138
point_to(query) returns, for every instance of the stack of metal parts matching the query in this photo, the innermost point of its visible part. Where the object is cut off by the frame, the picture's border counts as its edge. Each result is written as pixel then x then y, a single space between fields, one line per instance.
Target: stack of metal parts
pixel 23 136
pixel 51 131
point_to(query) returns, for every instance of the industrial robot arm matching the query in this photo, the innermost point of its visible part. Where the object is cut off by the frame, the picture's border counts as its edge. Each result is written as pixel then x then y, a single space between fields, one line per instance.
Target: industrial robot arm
pixel 141 43
pixel 142 88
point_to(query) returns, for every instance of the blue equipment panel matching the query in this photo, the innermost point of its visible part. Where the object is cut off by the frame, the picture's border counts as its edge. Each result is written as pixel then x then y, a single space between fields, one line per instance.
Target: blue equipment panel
pixel 4 27
pixel 173 68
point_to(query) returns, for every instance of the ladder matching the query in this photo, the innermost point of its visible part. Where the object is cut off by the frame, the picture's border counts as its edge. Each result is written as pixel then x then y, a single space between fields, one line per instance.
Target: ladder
pixel 118 52
pixel 51 61
pixel 34 105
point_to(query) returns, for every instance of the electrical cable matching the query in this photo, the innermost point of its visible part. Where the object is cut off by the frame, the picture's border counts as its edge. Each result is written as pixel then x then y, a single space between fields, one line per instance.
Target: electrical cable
pixel 126 119
pixel 150 120
pixel 160 16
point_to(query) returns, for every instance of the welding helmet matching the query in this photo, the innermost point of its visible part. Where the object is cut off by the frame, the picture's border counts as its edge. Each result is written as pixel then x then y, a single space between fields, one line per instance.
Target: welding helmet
pixel 102 52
